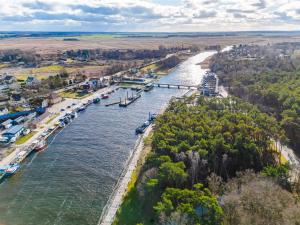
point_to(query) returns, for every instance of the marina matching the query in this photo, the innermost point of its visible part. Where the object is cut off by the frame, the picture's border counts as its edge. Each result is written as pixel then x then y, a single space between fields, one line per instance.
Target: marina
pixel 70 182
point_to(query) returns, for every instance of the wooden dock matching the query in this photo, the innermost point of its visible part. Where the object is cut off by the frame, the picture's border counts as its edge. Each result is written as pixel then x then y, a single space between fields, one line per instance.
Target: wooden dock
pixel 128 101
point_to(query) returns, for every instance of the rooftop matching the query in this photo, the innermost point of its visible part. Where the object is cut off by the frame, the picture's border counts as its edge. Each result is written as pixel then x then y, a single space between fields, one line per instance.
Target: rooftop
pixel 13 130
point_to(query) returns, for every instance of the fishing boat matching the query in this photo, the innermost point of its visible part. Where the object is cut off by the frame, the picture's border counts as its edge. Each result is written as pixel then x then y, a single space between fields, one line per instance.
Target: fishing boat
pixel 96 100
pixel 104 96
pixel 12 169
pixel 40 145
pixel 149 87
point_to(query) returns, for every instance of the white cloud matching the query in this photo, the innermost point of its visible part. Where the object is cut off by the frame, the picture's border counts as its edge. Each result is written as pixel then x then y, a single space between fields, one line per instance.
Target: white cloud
pixel 149 15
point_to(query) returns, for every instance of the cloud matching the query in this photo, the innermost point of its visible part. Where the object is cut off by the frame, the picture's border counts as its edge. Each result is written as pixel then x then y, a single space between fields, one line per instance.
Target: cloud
pixel 149 15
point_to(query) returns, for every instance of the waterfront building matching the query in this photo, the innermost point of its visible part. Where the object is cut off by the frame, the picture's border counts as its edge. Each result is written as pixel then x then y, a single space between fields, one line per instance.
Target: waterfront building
pixel 13 132
pixel 7 124
pixel 210 84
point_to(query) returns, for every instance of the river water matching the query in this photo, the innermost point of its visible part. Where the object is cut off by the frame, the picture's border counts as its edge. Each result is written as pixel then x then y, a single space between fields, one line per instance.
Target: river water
pixel 70 182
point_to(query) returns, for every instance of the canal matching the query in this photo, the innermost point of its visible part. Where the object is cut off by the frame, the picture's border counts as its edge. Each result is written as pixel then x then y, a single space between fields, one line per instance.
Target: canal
pixel 70 182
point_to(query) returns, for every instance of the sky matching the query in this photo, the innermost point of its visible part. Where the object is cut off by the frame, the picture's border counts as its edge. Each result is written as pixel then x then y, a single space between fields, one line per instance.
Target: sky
pixel 149 15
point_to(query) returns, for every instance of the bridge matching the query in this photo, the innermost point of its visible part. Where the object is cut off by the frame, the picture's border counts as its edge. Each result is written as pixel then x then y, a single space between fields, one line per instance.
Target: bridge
pixel 178 86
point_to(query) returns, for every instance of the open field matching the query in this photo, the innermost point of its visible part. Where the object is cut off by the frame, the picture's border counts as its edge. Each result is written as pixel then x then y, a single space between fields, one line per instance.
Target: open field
pixel 56 45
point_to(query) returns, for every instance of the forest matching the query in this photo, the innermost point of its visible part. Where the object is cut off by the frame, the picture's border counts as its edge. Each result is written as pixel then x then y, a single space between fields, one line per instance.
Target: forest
pixel 208 160
pixel 269 81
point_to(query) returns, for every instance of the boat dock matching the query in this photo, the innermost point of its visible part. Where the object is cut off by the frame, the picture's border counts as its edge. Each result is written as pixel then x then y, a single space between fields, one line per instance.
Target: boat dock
pixel 128 101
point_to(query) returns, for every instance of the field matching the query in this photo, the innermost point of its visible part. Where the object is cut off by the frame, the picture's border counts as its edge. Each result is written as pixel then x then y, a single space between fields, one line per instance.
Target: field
pixel 46 46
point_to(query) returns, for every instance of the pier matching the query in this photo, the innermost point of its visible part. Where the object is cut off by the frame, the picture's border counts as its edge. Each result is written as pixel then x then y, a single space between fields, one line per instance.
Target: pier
pixel 177 86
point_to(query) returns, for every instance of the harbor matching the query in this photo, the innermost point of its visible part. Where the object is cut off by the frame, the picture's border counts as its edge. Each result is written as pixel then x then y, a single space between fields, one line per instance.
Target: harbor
pixel 71 181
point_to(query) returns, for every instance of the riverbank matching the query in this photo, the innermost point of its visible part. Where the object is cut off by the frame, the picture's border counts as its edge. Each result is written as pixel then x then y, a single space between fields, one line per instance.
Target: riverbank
pixel 54 110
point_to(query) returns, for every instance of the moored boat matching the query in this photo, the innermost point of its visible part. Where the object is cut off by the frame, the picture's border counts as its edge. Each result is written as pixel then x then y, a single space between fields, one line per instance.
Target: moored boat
pixel 40 145
pixel 12 169
pixel 104 96
pixel 149 87
pixel 96 100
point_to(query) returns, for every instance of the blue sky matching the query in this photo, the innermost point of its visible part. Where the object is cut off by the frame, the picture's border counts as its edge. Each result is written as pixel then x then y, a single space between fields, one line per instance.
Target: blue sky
pixel 149 15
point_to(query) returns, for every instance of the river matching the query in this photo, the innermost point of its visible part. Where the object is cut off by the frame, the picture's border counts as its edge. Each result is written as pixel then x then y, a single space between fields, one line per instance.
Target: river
pixel 70 182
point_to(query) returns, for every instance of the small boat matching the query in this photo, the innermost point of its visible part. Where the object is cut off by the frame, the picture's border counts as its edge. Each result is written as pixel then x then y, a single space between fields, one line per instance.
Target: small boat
pixel 89 102
pixel 81 108
pixel 62 124
pixel 96 100
pixel 104 96
pixel 41 145
pixel 12 169
pixel 149 87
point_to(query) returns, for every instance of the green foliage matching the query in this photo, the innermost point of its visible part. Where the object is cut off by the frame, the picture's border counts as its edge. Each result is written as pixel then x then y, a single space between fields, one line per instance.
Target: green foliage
pixel 172 174
pixel 269 82
pixel 218 131
pixel 280 173
pixel 198 204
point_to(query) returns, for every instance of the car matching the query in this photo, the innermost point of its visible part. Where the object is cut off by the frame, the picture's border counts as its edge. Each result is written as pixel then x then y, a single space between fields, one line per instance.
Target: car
pixel 74 104
pixel 68 106
pixel 62 110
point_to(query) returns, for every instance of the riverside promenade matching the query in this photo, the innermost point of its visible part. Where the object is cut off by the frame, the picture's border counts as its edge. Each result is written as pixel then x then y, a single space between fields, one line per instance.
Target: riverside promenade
pixel 115 200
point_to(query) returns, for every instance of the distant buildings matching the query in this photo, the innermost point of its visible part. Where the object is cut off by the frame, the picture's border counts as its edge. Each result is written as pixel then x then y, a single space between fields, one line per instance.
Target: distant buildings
pixel 32 81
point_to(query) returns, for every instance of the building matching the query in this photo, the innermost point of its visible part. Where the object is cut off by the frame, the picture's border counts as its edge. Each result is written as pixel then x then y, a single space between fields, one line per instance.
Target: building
pixel 54 98
pixel 32 81
pixel 19 120
pixel 3 111
pixel 7 124
pixel 8 79
pixel 13 132
pixel 210 84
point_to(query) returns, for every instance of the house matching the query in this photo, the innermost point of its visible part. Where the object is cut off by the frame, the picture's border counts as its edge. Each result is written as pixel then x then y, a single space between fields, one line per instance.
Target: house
pixel 54 98
pixel 94 82
pixel 32 81
pixel 7 124
pixel 13 132
pixel 3 111
pixel 19 120
pixel 8 79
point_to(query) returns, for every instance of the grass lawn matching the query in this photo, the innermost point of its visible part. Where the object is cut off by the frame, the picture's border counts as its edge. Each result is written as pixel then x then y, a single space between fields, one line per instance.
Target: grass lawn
pixel 48 69
pixel 25 138
pixel 152 67
pixel 52 118
pixel 69 94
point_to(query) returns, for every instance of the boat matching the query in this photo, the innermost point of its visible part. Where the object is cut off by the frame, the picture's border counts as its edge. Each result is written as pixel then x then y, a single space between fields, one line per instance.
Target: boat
pixel 89 102
pixel 62 124
pixel 81 108
pixel 40 145
pixel 96 100
pixel 149 87
pixel 12 169
pixel 104 96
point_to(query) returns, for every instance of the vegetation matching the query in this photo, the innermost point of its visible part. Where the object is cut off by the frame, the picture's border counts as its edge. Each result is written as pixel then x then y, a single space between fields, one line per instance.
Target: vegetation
pixel 25 138
pixel 272 83
pixel 195 149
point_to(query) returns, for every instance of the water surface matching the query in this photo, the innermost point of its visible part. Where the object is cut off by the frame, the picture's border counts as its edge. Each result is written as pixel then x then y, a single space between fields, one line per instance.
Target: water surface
pixel 70 182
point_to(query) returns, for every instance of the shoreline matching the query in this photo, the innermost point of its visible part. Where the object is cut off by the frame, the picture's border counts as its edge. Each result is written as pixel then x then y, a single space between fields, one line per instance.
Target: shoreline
pixel 53 110
pixel 120 190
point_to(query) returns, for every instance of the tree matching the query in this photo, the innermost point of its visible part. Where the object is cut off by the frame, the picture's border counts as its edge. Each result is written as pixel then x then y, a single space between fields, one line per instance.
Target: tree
pixel 172 174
